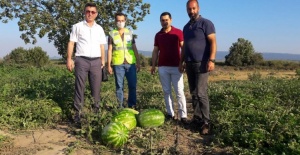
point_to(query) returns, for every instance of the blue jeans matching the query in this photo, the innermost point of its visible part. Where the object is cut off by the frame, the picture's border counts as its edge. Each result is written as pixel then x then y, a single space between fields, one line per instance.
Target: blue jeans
pixel 128 71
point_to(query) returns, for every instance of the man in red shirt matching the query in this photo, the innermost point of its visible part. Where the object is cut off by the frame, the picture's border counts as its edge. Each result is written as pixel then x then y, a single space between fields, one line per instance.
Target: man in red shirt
pixel 167 45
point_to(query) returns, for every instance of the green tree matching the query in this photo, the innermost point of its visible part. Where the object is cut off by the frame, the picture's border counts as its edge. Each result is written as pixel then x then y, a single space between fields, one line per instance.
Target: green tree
pixel 242 53
pixel 55 18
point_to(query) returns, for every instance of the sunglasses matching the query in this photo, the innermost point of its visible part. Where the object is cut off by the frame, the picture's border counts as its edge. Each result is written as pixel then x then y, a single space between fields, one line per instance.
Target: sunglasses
pixel 92 12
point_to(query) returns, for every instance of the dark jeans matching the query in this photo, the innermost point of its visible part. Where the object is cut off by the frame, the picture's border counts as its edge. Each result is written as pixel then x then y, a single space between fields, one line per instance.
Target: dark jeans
pixel 198 83
pixel 84 68
pixel 128 71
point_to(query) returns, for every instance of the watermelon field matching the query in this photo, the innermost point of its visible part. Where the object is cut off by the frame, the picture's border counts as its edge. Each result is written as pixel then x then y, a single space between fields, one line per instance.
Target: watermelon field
pixel 256 114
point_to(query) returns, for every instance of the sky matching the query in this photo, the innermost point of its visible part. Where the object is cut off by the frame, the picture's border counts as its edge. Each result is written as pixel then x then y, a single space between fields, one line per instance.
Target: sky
pixel 272 26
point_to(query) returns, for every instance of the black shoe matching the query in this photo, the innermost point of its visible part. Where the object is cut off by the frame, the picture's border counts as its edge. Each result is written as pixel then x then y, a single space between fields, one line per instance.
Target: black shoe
pixel 132 107
pixel 77 120
pixel 197 121
pixel 169 117
pixel 77 125
pixel 96 110
pixel 184 121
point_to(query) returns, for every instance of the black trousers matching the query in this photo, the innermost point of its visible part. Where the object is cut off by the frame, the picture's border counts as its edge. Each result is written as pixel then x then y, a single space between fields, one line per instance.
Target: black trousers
pixel 198 84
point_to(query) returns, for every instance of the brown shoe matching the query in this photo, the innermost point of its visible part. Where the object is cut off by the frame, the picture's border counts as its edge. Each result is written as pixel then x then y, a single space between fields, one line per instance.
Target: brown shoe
pixel 204 129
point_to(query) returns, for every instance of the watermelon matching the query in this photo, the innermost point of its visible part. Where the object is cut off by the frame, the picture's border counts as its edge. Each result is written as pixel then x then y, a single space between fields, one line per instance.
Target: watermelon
pixel 56 110
pixel 130 110
pixel 127 118
pixel 115 134
pixel 151 118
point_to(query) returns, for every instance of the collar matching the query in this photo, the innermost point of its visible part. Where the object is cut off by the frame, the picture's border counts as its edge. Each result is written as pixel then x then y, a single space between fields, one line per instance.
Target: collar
pixel 162 30
pixel 88 24
pixel 194 21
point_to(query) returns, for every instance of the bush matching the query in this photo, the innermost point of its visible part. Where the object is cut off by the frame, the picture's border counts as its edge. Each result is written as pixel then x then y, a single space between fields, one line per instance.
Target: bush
pixel 298 72
pixel 256 76
pixel 37 57
pixel 16 56
pixel 144 61
pixel 34 57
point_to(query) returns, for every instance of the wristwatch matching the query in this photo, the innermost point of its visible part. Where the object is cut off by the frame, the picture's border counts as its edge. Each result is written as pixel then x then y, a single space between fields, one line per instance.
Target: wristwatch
pixel 212 60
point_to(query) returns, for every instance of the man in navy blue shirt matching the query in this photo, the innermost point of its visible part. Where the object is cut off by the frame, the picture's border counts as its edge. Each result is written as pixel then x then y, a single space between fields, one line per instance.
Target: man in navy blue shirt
pixel 199 56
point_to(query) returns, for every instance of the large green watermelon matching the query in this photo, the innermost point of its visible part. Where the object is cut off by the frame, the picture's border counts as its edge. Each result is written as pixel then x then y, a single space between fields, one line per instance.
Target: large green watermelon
pixel 151 118
pixel 127 118
pixel 115 134
pixel 130 110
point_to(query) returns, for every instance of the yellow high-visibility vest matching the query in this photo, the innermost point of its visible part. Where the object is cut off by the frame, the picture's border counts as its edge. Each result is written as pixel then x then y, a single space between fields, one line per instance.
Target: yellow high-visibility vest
pixel 122 49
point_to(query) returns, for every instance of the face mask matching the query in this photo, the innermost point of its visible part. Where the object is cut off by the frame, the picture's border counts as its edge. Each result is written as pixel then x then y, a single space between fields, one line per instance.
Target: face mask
pixel 121 24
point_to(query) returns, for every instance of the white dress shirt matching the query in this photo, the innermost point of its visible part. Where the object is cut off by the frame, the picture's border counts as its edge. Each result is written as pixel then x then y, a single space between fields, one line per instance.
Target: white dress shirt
pixel 88 39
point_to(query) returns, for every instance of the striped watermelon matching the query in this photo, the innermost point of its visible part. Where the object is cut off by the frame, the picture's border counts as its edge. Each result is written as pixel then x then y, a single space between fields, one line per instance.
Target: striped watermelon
pixel 130 110
pixel 115 134
pixel 151 118
pixel 127 118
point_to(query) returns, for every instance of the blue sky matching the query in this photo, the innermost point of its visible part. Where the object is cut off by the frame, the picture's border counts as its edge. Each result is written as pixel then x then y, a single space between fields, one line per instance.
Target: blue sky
pixel 271 25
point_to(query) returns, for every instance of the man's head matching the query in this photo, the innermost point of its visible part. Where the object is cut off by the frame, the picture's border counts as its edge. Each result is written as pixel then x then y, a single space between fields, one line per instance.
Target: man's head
pixel 192 8
pixel 90 12
pixel 165 20
pixel 120 19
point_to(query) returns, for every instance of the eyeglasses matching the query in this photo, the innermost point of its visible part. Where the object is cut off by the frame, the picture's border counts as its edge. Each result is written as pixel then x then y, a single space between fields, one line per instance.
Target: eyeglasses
pixel 92 12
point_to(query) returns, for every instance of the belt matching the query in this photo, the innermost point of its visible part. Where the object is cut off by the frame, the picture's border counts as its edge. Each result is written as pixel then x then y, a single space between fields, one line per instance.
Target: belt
pixel 190 62
pixel 89 58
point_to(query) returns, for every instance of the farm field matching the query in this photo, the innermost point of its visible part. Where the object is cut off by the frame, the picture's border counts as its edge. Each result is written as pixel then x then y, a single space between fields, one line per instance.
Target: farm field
pixel 252 111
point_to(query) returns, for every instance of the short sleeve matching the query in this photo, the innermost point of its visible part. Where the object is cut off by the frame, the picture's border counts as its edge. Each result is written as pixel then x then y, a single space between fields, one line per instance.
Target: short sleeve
pixel 180 35
pixel 103 37
pixel 209 28
pixel 109 40
pixel 155 40
pixel 74 34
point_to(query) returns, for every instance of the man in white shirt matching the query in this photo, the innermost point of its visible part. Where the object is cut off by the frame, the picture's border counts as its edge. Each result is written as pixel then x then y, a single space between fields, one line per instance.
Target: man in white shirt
pixel 90 58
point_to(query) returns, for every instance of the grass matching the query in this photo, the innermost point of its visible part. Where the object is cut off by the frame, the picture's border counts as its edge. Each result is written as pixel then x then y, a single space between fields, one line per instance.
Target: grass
pixel 252 112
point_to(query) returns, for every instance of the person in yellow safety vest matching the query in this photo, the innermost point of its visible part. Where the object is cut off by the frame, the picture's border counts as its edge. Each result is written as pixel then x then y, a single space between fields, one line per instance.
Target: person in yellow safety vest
pixel 123 60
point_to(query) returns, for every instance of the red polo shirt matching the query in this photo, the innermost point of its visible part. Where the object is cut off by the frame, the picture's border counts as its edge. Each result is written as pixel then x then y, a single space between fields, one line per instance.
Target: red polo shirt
pixel 169 47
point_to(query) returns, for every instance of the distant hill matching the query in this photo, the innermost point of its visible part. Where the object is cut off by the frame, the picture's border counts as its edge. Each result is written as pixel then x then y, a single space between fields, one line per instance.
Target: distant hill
pixel 267 56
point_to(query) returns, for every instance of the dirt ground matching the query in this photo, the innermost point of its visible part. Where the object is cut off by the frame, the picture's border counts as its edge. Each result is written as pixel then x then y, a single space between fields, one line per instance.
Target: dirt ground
pixel 59 140
pixel 41 142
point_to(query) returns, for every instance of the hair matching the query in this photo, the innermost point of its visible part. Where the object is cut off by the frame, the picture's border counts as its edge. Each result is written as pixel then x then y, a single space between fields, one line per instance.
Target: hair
pixel 120 14
pixel 190 1
pixel 164 14
pixel 90 4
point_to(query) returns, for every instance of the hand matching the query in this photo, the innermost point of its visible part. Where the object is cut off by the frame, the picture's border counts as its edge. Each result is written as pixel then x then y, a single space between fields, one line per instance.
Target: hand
pixel 152 70
pixel 181 67
pixel 70 64
pixel 102 64
pixel 210 66
pixel 138 67
pixel 109 69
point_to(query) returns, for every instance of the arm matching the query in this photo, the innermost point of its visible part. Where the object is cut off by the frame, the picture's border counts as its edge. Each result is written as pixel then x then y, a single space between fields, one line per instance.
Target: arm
pixel 213 51
pixel 154 59
pixel 181 62
pixel 102 55
pixel 70 62
pixel 109 58
pixel 137 57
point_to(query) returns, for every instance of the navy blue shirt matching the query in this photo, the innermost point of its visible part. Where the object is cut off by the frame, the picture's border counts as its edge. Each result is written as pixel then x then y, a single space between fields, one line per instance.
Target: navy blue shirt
pixel 196 44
